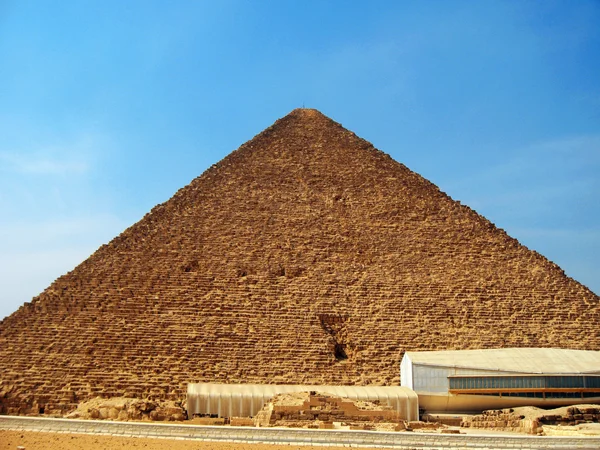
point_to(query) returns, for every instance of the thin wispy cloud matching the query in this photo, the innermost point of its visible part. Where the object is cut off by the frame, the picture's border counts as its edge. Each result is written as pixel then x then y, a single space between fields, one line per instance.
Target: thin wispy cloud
pixel 569 153
pixel 40 164
pixel 57 155
pixel 49 173
pixel 544 171
pixel 584 146
pixel 541 194
pixel 56 231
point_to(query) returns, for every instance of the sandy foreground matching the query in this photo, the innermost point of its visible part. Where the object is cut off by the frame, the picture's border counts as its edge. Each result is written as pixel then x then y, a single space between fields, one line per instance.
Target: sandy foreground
pixel 32 440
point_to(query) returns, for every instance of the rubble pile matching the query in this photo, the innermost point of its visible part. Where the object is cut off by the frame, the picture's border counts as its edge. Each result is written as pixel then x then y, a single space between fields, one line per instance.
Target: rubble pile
pixel 322 410
pixel 129 409
pixel 532 420
pixel 499 419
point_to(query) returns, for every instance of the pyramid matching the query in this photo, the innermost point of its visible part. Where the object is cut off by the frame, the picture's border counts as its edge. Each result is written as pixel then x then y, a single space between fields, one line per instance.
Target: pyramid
pixel 306 256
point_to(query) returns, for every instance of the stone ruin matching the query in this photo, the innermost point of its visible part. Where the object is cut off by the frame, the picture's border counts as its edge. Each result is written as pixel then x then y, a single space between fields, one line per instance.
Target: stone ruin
pixel 323 410
pixel 532 420
pixel 306 256
pixel 127 409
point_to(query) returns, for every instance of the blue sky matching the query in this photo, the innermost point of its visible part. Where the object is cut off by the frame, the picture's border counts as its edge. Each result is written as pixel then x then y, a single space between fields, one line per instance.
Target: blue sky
pixel 108 107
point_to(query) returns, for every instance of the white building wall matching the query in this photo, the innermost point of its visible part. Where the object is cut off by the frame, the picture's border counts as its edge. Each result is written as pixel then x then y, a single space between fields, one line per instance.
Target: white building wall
pixel 406 372
pixel 434 379
pixel 430 379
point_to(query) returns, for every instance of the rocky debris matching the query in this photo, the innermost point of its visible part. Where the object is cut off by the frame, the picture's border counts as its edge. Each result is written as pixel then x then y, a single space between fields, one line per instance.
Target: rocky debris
pixel 210 421
pixel 419 425
pixel 533 420
pixel 129 409
pixel 584 429
pixel 306 256
pixel 323 410
pixel 453 420
pixel 501 419
pixel 241 422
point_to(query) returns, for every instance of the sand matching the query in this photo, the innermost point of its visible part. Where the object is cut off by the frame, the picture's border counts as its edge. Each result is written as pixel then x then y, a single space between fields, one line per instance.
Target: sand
pixel 53 441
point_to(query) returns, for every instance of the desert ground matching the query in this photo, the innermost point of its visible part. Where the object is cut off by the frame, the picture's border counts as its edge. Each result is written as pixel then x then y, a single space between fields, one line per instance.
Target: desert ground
pixel 55 441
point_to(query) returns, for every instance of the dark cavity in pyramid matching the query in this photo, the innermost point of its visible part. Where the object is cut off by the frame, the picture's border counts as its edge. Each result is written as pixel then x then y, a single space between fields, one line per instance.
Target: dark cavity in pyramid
pixel 305 256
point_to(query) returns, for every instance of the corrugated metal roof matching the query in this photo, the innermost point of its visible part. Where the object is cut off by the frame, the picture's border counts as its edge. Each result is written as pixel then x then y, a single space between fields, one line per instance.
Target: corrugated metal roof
pixel 245 400
pixel 520 360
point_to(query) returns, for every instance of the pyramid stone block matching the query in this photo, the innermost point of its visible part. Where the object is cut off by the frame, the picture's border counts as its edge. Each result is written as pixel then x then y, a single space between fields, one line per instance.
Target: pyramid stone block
pixel 306 256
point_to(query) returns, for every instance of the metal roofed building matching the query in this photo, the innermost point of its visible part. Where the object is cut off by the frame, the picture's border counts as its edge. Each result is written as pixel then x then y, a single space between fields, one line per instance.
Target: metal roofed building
pixel 474 380
pixel 245 400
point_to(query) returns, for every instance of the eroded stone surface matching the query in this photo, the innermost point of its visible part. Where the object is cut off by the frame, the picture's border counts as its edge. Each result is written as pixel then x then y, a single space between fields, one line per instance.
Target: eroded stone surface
pixel 534 420
pixel 119 408
pixel 327 411
pixel 306 256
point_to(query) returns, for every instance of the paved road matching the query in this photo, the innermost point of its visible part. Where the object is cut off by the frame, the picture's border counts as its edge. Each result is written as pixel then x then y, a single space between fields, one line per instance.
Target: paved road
pixel 334 438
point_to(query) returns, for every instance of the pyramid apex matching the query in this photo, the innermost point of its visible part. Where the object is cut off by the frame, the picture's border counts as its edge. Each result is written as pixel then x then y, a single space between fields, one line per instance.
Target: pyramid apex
pixel 307 112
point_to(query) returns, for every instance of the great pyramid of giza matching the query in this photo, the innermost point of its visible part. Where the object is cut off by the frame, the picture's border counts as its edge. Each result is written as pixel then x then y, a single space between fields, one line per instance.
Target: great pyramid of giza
pixel 305 256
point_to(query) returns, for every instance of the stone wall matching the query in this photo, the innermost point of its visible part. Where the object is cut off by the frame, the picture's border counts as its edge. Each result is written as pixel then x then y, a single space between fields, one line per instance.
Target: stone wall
pixel 514 420
pixel 319 410
pixel 306 257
